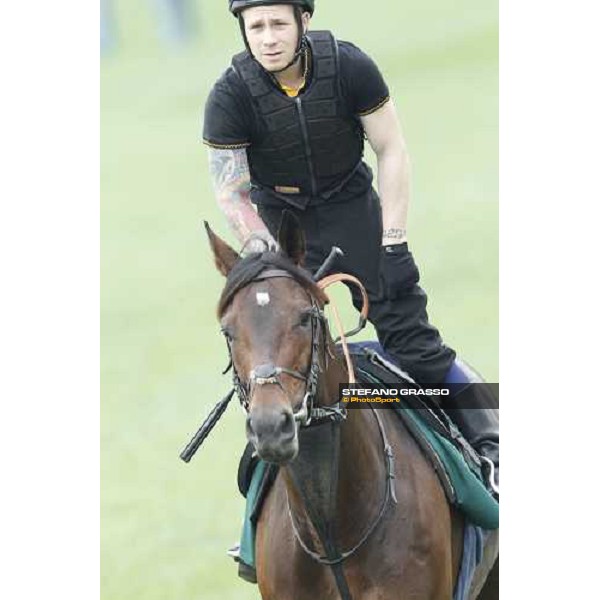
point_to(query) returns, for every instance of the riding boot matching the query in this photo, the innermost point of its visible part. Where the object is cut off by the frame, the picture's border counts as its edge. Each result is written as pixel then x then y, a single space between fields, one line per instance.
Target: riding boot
pixel 474 409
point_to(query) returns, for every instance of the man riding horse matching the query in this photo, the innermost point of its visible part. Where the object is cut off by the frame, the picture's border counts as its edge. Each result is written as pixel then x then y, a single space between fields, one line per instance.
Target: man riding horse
pixel 285 127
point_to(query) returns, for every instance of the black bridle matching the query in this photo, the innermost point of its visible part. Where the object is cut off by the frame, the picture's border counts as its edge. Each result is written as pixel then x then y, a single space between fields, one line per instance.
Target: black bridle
pixel 308 412
pixel 269 374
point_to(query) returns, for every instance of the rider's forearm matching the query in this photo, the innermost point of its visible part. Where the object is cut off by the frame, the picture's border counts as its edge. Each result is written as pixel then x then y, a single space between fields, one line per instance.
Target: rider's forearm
pixel 231 181
pixel 384 133
pixel 393 176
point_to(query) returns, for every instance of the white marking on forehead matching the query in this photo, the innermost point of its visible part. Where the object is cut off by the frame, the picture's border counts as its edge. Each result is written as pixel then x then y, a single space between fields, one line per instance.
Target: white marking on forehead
pixel 262 298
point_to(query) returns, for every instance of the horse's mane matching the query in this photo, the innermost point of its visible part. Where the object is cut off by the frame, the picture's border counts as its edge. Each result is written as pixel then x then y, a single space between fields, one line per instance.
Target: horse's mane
pixel 245 270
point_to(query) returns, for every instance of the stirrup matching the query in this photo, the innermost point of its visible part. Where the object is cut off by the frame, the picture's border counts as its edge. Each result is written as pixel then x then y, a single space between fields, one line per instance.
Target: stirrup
pixel 246 572
pixel 234 552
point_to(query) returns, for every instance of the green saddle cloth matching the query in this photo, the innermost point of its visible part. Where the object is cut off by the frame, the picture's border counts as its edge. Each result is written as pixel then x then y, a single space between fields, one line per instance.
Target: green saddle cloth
pixel 471 495
pixel 248 528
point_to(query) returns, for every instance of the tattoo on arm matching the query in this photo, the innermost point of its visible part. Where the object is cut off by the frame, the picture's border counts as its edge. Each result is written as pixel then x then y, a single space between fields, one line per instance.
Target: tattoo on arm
pixel 231 181
pixel 394 233
pixel 228 168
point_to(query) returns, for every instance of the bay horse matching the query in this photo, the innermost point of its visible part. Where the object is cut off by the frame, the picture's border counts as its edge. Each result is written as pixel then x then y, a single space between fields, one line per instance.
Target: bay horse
pixel 356 510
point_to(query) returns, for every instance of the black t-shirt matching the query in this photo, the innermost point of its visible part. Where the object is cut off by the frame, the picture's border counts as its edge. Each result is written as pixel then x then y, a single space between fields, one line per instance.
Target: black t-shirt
pixel 229 120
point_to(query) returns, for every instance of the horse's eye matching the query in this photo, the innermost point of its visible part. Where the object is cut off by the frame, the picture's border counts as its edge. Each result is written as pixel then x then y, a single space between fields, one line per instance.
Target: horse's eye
pixel 304 320
pixel 227 334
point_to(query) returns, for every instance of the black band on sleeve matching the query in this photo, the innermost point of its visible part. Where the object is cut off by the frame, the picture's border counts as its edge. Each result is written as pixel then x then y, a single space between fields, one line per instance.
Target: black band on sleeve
pixel 364 113
pixel 225 146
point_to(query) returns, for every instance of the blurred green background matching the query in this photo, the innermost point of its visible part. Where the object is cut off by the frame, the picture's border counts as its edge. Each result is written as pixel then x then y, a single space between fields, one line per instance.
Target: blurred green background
pixel 165 525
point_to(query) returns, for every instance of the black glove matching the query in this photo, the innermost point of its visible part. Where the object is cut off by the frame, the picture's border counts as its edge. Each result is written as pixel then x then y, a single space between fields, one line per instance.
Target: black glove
pixel 398 270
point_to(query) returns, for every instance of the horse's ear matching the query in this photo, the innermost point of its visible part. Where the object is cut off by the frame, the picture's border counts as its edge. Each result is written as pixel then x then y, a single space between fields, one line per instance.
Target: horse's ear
pixel 225 256
pixel 291 238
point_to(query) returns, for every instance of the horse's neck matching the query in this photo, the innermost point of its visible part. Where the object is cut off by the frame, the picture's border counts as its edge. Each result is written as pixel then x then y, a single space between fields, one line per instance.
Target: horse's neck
pixel 313 475
pixel 334 461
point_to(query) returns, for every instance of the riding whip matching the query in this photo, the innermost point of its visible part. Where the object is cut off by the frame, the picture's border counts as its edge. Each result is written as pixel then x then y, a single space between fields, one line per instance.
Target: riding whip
pixel 215 414
pixel 328 263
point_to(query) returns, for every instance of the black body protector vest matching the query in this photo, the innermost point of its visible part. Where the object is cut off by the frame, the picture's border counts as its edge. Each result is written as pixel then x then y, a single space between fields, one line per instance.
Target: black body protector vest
pixel 312 143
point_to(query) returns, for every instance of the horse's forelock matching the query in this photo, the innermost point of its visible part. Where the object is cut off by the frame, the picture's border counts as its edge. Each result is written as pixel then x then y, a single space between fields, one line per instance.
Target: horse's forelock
pixel 247 269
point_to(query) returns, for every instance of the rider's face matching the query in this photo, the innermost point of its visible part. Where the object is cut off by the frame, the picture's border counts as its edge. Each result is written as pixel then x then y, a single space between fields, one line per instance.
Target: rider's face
pixel 272 34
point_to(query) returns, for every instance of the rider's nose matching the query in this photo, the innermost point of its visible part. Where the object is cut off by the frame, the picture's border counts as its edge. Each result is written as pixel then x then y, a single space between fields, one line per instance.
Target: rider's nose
pixel 268 37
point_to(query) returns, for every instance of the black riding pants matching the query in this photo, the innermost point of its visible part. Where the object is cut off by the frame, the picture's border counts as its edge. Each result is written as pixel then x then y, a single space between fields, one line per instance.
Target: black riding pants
pixel 401 324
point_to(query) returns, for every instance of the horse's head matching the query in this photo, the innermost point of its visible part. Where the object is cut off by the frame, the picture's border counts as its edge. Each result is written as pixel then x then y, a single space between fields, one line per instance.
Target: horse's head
pixel 271 315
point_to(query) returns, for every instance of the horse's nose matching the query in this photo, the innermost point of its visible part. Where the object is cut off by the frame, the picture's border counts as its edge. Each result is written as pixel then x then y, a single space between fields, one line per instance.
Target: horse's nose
pixel 273 434
pixel 272 424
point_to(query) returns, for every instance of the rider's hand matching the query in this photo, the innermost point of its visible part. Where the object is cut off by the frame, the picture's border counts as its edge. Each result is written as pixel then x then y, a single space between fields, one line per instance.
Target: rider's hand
pixel 259 241
pixel 398 269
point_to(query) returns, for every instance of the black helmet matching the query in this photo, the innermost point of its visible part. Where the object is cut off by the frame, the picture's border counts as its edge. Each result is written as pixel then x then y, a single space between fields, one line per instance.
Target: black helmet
pixel 236 6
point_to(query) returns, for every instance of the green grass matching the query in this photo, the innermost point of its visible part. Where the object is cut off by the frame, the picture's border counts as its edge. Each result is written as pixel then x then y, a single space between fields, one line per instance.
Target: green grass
pixel 165 525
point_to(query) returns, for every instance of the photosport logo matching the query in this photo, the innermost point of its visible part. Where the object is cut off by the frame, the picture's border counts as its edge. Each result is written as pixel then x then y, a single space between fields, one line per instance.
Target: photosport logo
pixel 463 395
pixel 356 396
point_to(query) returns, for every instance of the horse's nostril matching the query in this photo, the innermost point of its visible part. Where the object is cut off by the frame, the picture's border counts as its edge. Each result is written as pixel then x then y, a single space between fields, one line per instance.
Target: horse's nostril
pixel 288 425
pixel 271 426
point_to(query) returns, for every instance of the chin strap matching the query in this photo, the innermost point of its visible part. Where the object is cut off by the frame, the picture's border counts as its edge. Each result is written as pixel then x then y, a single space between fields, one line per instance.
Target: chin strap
pixel 300 52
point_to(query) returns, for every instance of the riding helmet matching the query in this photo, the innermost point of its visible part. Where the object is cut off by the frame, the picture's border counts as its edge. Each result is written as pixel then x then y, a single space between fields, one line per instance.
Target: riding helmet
pixel 236 6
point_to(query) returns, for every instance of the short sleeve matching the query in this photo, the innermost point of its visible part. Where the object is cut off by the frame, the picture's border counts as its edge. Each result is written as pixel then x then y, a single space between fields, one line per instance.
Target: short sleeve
pixel 225 118
pixel 362 82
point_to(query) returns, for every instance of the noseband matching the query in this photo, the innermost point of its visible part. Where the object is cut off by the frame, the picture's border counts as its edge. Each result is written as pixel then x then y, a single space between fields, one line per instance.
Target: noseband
pixel 269 374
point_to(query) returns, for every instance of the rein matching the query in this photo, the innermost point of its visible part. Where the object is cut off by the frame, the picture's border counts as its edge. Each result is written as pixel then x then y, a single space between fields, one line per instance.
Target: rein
pixel 362 321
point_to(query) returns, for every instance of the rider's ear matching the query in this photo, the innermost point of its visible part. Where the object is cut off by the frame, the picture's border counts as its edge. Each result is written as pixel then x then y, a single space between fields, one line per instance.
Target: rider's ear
pixel 291 238
pixel 305 22
pixel 225 255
